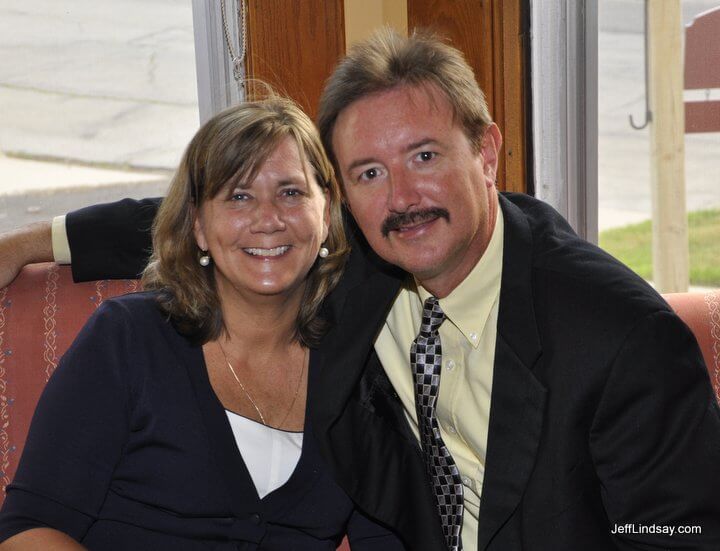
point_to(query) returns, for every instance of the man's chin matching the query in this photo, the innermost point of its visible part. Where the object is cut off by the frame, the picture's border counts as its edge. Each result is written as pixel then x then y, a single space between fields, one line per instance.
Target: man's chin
pixel 422 268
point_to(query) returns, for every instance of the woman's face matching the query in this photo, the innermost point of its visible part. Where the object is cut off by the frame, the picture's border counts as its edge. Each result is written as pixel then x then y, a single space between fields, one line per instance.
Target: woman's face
pixel 264 235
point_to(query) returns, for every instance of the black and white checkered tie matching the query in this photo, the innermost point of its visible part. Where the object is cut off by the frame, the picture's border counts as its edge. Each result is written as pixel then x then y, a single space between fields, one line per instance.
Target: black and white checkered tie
pixel 426 362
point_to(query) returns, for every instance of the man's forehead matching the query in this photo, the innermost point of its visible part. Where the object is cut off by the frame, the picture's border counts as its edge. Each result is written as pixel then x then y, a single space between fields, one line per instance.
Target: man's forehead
pixel 424 96
pixel 388 112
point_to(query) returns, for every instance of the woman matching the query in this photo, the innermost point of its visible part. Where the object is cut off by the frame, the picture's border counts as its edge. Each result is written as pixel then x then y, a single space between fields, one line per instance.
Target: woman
pixel 177 418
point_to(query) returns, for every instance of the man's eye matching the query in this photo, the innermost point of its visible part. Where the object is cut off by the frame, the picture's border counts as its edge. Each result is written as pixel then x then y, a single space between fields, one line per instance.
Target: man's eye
pixel 369 174
pixel 426 156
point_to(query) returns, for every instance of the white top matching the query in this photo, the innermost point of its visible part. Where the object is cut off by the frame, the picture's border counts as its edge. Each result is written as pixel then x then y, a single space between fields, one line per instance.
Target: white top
pixel 270 454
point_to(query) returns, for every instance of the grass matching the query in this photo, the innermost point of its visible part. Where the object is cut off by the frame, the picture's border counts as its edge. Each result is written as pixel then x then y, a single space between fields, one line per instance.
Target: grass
pixel 632 245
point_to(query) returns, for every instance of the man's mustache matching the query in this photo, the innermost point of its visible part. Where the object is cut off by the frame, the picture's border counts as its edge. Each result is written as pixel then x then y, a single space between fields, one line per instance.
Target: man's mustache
pixel 396 221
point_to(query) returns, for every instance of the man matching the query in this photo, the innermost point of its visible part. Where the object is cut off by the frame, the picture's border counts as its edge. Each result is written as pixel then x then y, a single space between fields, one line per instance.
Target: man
pixel 574 410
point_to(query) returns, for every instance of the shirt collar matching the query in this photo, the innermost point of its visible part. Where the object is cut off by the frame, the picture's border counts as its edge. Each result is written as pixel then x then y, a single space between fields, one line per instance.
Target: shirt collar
pixel 469 305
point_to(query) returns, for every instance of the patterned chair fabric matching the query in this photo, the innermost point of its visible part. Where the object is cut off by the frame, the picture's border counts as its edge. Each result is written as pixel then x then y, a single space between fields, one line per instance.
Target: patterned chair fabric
pixel 40 314
pixel 43 310
pixel 701 313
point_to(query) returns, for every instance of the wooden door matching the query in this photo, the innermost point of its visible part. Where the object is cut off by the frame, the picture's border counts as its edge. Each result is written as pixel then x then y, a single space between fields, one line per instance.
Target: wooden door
pixel 295 44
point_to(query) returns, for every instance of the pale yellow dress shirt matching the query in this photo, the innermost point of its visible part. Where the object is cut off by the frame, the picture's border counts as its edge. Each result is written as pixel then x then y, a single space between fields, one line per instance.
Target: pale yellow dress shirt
pixel 468 337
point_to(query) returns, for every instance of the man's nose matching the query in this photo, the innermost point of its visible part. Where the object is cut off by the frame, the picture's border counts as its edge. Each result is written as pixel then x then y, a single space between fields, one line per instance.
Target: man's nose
pixel 403 193
pixel 267 217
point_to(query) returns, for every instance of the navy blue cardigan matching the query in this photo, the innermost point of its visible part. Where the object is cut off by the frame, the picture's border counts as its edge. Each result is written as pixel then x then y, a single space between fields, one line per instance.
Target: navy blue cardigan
pixel 130 448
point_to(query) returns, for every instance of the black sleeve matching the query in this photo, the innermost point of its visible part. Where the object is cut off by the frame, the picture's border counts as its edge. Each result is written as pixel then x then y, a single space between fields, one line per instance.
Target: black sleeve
pixel 77 434
pixel 656 441
pixel 366 535
pixel 111 241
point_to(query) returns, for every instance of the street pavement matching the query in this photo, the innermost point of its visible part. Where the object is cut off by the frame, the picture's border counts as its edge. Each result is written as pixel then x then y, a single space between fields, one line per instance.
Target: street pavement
pixel 624 153
pixel 98 99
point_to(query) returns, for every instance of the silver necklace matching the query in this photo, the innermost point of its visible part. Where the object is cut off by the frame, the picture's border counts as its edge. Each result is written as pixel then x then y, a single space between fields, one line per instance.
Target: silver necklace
pixel 242 386
pixel 236 58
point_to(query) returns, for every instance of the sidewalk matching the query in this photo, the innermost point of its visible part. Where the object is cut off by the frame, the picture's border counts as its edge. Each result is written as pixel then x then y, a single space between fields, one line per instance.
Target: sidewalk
pixel 22 176
pixel 32 191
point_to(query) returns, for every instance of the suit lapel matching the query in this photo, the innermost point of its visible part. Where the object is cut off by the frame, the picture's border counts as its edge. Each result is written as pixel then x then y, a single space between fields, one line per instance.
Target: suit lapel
pixel 356 312
pixel 518 398
pixel 358 420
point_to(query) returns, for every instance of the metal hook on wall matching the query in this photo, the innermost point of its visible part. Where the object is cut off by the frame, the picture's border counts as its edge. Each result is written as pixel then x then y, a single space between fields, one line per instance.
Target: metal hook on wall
pixel 648 113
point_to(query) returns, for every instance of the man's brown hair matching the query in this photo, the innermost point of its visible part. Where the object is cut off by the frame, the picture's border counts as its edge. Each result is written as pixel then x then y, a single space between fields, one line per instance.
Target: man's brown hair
pixel 387 60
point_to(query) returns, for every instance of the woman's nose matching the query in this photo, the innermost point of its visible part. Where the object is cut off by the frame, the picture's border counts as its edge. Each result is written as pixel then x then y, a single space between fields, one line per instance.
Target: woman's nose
pixel 267 218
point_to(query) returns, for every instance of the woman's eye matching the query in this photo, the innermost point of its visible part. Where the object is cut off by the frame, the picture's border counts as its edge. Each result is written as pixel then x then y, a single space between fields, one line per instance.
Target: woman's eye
pixel 239 196
pixel 292 192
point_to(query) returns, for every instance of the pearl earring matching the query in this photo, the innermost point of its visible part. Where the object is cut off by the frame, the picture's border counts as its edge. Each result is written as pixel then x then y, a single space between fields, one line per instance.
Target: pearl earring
pixel 204 260
pixel 323 252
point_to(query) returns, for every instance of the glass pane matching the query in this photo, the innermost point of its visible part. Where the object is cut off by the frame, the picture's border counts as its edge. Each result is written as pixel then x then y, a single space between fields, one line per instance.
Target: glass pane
pixel 97 100
pixel 625 159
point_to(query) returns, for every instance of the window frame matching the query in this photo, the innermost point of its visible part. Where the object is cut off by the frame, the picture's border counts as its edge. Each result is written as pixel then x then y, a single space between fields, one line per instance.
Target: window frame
pixel 564 82
pixel 217 88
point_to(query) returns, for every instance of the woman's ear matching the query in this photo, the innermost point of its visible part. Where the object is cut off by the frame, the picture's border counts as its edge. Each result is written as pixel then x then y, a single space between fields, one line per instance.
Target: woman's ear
pixel 198 231
pixel 326 216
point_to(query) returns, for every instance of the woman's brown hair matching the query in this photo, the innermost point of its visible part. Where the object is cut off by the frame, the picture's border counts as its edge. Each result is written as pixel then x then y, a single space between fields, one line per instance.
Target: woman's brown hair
pixel 231 147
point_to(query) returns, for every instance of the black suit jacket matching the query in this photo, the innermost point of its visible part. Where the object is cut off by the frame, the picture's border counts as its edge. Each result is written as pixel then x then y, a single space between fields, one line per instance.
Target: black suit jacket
pixel 602 413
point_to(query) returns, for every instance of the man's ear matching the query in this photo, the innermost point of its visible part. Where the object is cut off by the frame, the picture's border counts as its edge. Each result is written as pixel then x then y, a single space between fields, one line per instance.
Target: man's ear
pixel 490 151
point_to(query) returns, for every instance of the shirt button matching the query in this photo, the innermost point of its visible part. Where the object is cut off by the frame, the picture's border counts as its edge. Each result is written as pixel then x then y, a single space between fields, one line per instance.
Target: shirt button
pixel 474 337
pixel 450 365
pixel 255 518
pixel 451 429
pixel 466 480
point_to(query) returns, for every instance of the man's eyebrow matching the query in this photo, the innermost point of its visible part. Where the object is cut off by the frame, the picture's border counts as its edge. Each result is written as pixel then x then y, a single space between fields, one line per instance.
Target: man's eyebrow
pixel 360 162
pixel 420 143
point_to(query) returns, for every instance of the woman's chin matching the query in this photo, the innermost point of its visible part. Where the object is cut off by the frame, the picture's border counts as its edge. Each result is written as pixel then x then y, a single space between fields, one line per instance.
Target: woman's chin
pixel 266 289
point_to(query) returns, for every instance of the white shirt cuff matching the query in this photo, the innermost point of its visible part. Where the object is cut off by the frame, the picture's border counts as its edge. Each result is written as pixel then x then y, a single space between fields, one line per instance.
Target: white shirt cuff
pixel 60 244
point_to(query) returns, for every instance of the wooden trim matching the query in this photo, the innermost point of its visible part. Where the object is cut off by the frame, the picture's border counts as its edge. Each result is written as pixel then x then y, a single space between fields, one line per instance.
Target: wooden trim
pixel 294 45
pixel 510 90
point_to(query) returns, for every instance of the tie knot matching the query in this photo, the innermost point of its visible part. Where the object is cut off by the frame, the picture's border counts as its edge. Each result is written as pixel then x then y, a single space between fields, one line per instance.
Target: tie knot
pixel 432 316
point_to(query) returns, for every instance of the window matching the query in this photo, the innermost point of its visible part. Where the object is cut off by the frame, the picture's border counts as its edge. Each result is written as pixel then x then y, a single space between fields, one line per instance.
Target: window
pixel 652 192
pixel 632 161
pixel 97 98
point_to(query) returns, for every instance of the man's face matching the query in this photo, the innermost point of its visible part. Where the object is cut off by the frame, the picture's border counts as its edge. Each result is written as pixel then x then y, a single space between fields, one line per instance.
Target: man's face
pixel 422 195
